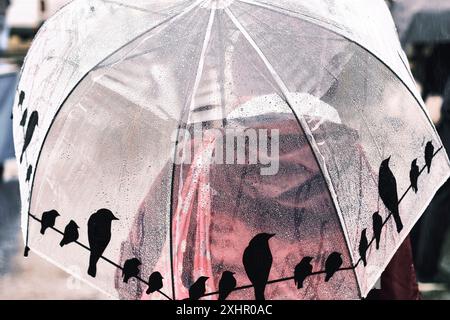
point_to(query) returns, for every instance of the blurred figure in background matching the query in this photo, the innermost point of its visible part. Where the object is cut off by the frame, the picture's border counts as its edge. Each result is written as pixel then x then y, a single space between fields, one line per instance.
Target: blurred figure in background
pixel 8 82
pixel 430 233
pixel 437 70
pixel 424 32
pixel 4 29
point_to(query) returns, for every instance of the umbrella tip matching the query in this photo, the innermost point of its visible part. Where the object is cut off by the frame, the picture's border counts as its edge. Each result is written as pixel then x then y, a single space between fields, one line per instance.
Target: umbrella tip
pixel 26 251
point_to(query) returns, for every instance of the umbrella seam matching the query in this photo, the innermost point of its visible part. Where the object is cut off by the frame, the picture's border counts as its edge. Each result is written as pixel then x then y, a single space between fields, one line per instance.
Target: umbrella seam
pixel 191 104
pixel 307 132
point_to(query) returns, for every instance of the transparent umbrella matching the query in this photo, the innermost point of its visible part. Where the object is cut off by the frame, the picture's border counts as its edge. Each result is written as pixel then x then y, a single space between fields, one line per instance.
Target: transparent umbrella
pixel 223 149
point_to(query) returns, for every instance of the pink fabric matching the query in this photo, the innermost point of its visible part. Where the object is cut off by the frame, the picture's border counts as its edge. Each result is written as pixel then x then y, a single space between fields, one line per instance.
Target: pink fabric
pixel 197 184
pixel 219 208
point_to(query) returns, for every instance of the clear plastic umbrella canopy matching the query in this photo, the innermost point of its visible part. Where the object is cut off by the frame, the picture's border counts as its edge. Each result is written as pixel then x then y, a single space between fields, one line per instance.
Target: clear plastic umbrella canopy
pixel 281 141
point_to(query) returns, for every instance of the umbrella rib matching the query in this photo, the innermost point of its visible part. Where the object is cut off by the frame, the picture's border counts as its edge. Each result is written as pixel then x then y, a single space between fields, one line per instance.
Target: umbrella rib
pixel 201 63
pixel 302 123
pixel 182 116
pixel 163 25
pixel 101 257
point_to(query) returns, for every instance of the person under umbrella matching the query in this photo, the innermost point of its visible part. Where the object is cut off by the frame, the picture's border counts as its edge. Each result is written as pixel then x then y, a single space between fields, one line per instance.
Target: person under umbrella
pixel 231 227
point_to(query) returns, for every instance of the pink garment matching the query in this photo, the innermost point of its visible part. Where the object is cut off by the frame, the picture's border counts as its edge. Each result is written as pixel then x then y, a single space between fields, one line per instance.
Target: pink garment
pixel 220 208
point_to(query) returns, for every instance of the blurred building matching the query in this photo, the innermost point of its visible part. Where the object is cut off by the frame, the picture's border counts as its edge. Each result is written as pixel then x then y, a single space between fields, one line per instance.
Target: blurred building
pixel 26 16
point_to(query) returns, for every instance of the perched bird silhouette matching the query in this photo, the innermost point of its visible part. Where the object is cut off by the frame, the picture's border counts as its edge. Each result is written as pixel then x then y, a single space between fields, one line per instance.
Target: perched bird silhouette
pixel 363 246
pixel 130 269
pixel 23 122
pixel 302 271
pixel 197 290
pixel 226 285
pixel 99 235
pixel 333 263
pixel 29 172
pixel 70 234
pixel 21 98
pixel 429 154
pixel 155 282
pixel 257 262
pixel 414 175
pixel 387 188
pixel 48 220
pixel 377 224
pixel 32 124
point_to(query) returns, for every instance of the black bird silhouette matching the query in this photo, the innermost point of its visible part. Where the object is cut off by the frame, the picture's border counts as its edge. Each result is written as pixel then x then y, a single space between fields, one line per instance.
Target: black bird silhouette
pixel 333 263
pixel 48 220
pixel 197 290
pixel 302 271
pixel 70 234
pixel 99 235
pixel 377 224
pixel 32 124
pixel 429 154
pixel 257 262
pixel 29 172
pixel 387 188
pixel 130 269
pixel 21 98
pixel 414 175
pixel 23 122
pixel 226 285
pixel 155 282
pixel 363 246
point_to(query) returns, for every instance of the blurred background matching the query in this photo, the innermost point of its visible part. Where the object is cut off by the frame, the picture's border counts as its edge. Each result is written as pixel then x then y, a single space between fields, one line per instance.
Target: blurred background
pixel 424 31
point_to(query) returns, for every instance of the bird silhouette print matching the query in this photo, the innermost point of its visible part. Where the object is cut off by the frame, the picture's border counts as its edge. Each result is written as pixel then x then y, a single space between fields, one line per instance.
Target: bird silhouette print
pixel 32 124
pixel 21 98
pixel 377 224
pixel 332 265
pixel 29 172
pixel 302 271
pixel 99 236
pixel 429 154
pixel 48 220
pixel 130 269
pixel 363 246
pixel 387 188
pixel 414 175
pixel 226 285
pixel 197 290
pixel 70 234
pixel 155 282
pixel 257 262
pixel 23 121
